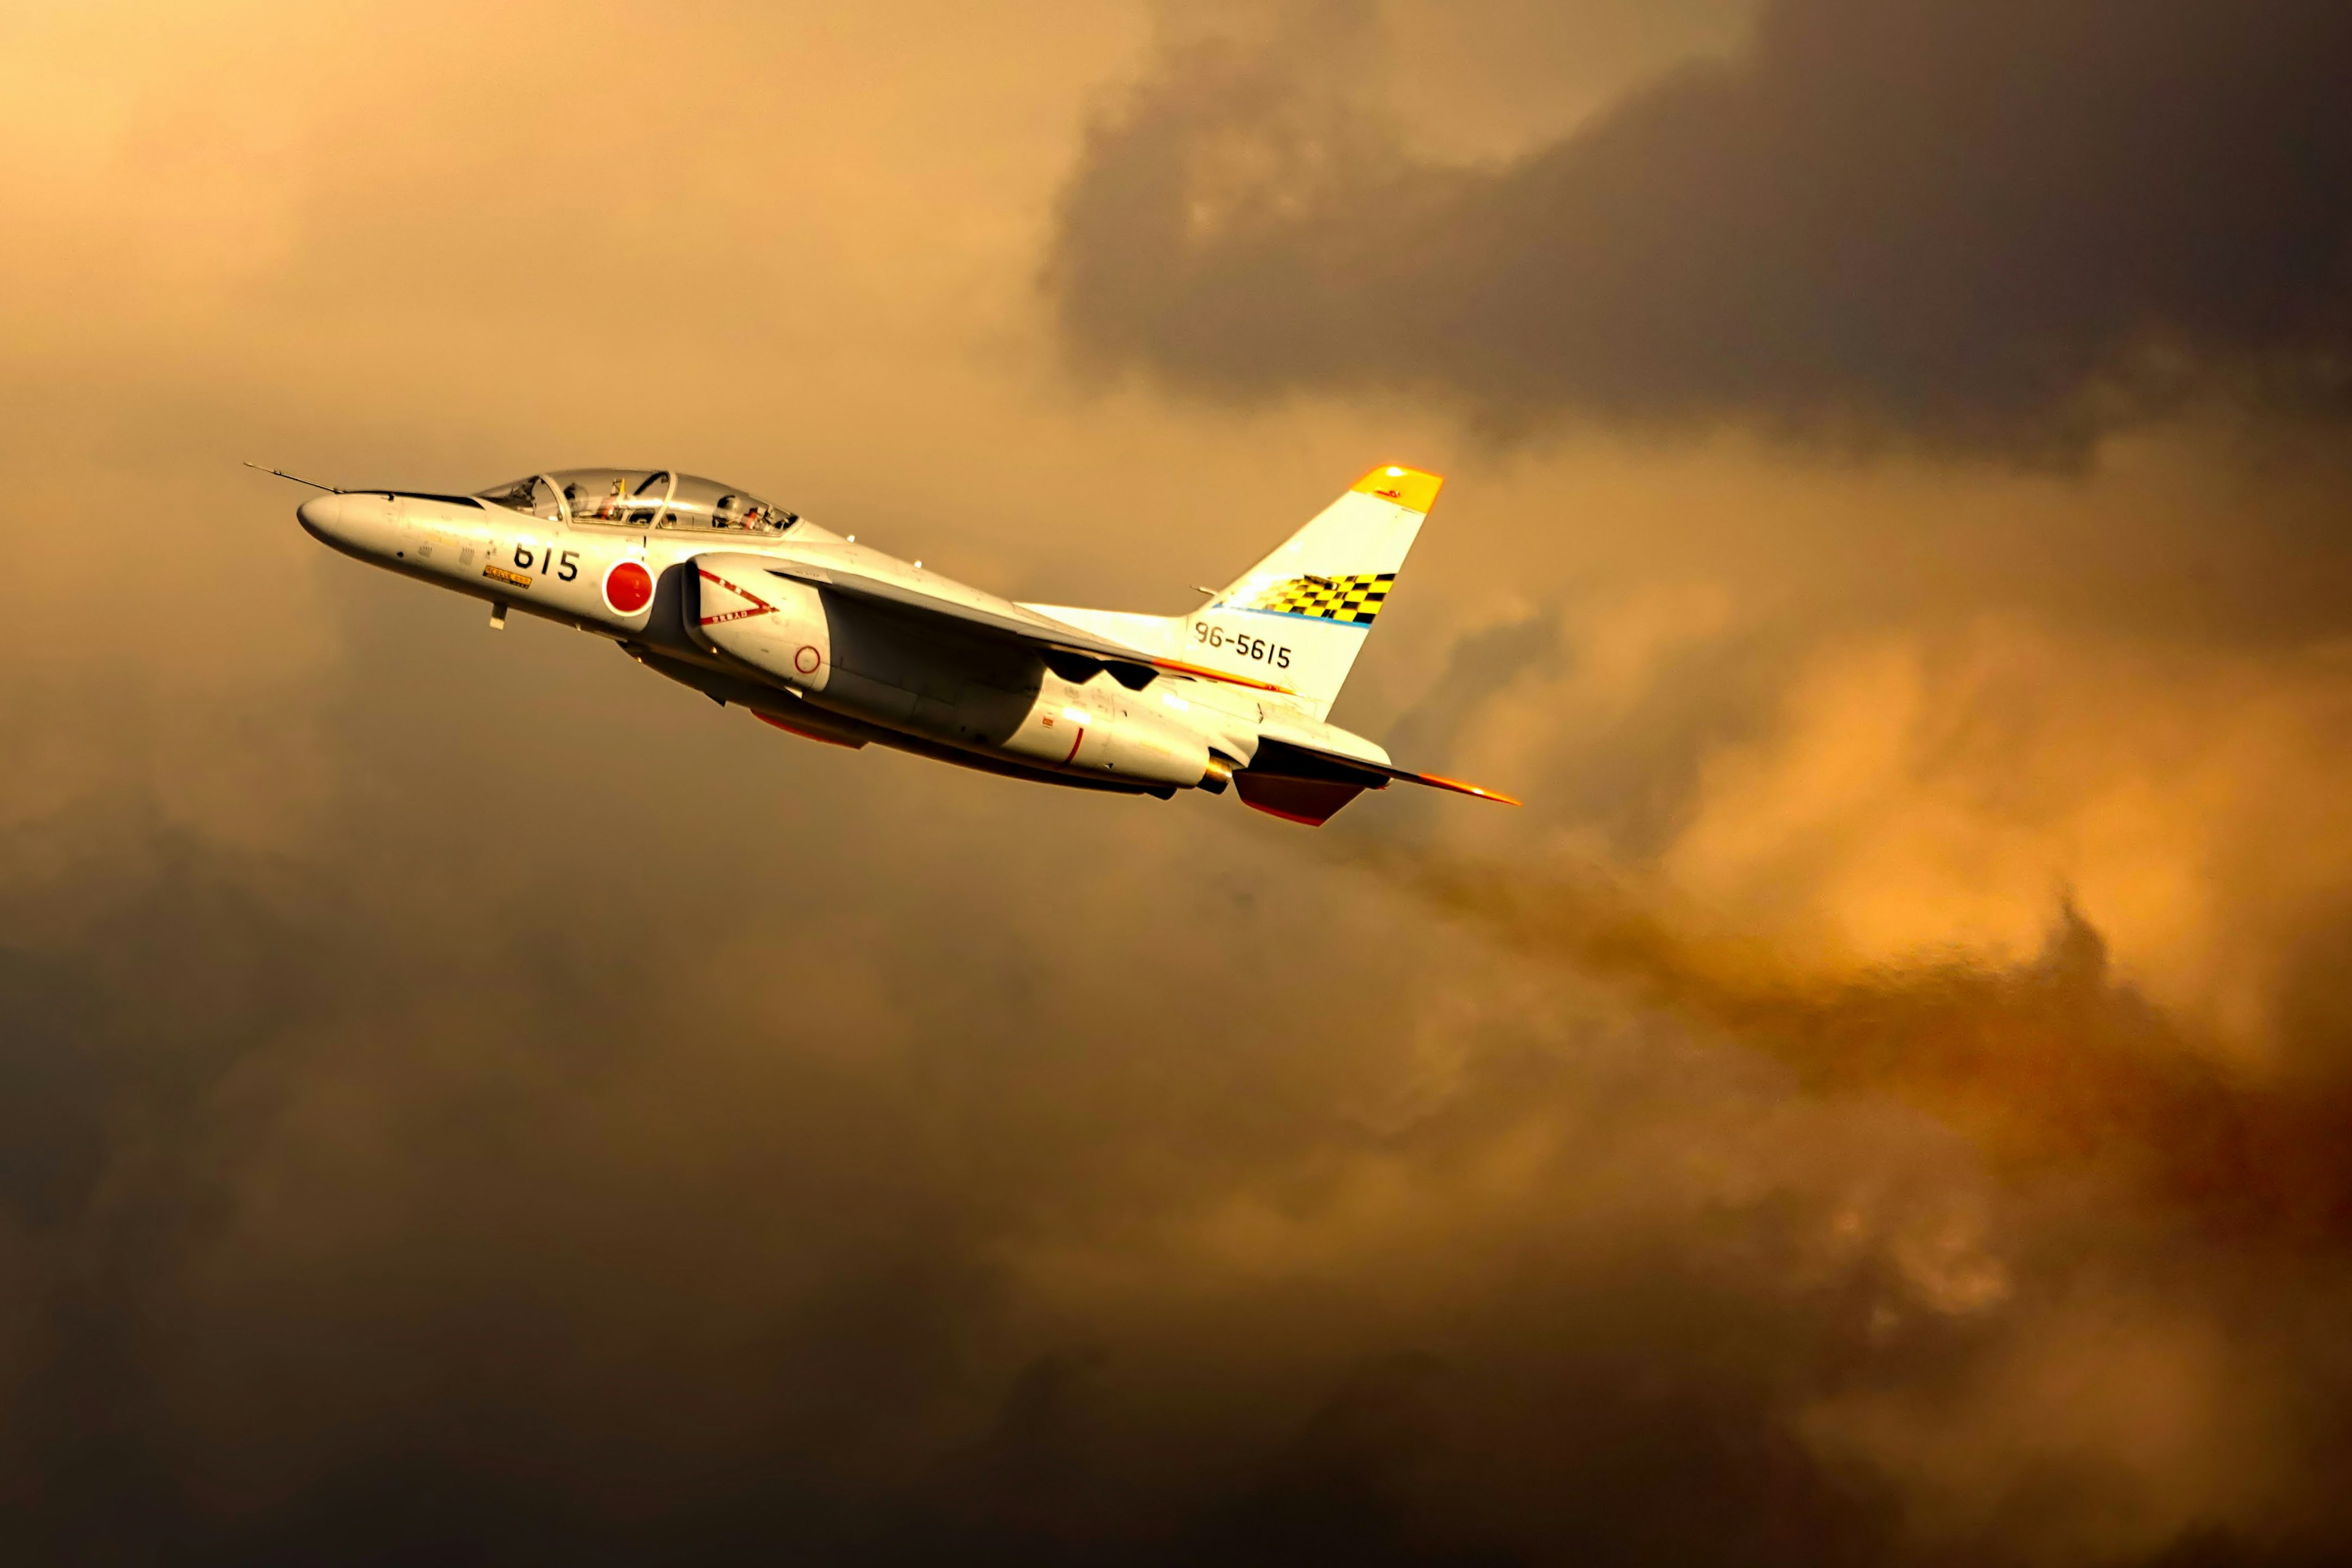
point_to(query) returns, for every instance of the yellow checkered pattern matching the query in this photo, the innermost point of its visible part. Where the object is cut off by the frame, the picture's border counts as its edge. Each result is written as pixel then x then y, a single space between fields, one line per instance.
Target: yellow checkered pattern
pixel 1355 600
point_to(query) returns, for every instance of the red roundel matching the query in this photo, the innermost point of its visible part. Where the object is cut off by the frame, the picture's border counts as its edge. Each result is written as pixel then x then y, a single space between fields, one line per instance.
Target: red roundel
pixel 807 660
pixel 628 587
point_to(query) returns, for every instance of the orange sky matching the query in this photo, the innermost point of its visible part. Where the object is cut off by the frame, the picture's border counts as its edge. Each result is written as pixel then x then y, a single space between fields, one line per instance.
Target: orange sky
pixel 440 1064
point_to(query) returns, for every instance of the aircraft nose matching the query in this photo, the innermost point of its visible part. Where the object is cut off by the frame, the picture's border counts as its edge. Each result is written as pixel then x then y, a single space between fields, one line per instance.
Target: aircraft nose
pixel 326 518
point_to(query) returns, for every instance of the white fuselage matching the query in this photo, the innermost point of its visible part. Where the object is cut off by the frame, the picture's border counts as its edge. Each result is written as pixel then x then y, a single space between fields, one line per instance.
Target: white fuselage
pixel 712 609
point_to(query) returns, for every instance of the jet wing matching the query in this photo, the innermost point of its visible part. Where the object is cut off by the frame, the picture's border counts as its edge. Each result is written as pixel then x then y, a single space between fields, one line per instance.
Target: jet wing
pixel 1131 666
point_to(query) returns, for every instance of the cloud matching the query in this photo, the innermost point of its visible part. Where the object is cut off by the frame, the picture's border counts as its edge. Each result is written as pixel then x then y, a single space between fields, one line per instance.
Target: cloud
pixel 2049 1062
pixel 2002 229
pixel 463 1100
pixel 395 1193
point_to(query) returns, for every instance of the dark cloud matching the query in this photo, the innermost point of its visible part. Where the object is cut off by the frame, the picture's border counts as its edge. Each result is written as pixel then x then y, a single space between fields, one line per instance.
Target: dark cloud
pixel 462 1099
pixel 2002 226
pixel 542 1229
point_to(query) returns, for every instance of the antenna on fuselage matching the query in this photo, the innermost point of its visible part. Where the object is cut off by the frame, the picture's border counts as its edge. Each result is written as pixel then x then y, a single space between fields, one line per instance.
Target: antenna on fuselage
pixel 331 489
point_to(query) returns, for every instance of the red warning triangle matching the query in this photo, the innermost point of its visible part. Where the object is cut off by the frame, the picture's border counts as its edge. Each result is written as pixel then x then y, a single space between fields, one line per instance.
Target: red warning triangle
pixel 735 604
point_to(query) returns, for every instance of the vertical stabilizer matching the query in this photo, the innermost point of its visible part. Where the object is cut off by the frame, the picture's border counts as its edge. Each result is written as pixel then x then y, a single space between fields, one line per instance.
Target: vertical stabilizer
pixel 1299 617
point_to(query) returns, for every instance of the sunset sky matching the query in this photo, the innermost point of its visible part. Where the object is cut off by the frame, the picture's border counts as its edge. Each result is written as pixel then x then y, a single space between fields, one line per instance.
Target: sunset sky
pixel 1886 1098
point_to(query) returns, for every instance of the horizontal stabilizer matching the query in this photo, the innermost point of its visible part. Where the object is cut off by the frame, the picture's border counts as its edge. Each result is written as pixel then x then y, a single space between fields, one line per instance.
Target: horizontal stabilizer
pixel 1307 784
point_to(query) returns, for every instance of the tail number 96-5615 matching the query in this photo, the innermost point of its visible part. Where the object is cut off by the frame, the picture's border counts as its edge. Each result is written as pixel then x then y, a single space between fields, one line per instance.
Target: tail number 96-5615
pixel 1238 643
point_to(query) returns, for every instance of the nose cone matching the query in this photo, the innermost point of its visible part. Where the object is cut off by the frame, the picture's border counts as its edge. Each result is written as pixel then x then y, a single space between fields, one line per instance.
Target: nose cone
pixel 327 518
pixel 359 525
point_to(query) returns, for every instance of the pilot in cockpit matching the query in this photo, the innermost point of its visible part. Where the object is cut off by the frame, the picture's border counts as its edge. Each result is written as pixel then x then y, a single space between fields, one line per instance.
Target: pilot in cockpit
pixel 608 505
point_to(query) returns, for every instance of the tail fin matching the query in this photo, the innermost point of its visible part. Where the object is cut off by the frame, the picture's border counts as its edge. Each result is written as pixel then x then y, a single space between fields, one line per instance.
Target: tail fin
pixel 1299 617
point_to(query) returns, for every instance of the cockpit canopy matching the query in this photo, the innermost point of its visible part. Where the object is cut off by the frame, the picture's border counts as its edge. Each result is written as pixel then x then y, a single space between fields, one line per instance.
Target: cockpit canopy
pixel 639 498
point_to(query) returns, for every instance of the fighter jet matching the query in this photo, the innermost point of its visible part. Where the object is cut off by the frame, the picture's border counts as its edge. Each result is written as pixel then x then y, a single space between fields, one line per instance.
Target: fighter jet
pixel 757 608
